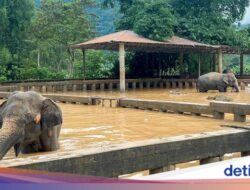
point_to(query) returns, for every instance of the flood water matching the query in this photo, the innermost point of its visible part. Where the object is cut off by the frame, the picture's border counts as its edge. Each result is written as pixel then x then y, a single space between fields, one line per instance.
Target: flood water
pixel 181 95
pixel 87 127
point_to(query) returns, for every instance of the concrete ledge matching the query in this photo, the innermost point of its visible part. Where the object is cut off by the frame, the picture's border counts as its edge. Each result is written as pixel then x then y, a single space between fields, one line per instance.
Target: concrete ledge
pixel 230 107
pixel 59 98
pixel 139 156
pixel 179 107
pixel 70 99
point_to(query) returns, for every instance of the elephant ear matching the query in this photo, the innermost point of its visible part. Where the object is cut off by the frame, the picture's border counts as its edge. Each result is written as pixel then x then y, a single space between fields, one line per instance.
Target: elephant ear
pixel 51 114
pixel 225 80
pixel 2 106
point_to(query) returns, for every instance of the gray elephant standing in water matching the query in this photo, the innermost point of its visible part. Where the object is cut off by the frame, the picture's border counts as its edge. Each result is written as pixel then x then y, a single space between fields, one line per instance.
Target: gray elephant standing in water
pixel 30 123
pixel 217 81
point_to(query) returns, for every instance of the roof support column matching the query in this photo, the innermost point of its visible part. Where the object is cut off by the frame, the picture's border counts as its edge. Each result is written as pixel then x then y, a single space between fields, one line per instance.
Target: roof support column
pixel 181 57
pixel 241 64
pixel 220 56
pixel 84 63
pixel 199 65
pixel 122 66
pixel 214 62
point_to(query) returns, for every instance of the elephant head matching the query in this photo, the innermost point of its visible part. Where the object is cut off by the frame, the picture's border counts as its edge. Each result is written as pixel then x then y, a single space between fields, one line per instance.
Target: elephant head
pixel 28 121
pixel 231 81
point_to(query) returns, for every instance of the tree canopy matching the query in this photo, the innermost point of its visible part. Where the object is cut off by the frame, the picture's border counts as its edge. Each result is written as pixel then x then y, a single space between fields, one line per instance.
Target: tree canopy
pixel 35 35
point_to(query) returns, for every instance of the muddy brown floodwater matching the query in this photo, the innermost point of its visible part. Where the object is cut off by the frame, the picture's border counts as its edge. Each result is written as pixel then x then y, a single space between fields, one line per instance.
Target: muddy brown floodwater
pixel 182 95
pixel 87 127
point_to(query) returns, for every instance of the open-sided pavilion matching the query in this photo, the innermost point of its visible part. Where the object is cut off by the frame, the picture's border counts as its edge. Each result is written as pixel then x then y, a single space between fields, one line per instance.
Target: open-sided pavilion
pixel 129 41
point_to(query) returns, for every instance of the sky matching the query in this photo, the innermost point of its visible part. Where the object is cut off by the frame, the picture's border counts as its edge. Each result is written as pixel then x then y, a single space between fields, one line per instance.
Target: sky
pixel 246 19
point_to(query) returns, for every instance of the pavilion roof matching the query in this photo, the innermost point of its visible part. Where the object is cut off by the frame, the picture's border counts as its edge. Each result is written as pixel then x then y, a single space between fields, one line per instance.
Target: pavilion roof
pixel 135 42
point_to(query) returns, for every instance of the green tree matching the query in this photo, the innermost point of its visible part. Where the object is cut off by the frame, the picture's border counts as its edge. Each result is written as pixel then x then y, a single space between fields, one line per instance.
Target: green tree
pixel 152 19
pixel 59 24
pixel 210 21
pixel 15 21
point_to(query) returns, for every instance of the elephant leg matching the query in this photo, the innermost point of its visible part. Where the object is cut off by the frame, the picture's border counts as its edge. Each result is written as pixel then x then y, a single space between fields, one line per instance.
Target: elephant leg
pixel 222 89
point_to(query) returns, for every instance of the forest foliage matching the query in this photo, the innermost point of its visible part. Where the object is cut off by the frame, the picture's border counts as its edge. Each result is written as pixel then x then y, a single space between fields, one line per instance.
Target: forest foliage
pixel 35 35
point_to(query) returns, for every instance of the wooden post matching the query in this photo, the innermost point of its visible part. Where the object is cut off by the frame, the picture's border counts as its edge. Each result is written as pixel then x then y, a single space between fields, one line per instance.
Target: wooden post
pixel 122 67
pixel 241 64
pixel 84 63
pixel 199 65
pixel 220 66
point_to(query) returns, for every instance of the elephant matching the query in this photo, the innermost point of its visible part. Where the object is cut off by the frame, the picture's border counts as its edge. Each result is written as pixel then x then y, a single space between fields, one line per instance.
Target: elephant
pixel 30 123
pixel 217 81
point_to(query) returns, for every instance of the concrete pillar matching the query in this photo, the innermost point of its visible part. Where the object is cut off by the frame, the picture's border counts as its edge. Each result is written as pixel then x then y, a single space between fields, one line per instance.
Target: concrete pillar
pixel 134 85
pixel 193 84
pixel 155 84
pixel 49 88
pixel 122 66
pixel 93 87
pixel 182 68
pixel 180 84
pixel 148 84
pixel 21 88
pixel 199 65
pixel 102 86
pixel 161 85
pixel 219 115
pixel 211 160
pixel 186 84
pixel 239 118
pixel 241 64
pixel 141 85
pixel 65 88
pixel 53 88
pixel 168 85
pixel 110 86
pixel 33 88
pixel 74 87
pixel 162 169
pixel 214 62
pixel 173 84
pixel 127 86
pixel 84 87
pixel 220 61
pixel 44 90
pixel 84 63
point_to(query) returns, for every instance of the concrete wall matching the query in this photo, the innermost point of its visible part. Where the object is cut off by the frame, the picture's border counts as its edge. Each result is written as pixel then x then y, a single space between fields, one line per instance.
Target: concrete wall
pixel 83 85
pixel 145 155
pixel 179 107
pixel 215 109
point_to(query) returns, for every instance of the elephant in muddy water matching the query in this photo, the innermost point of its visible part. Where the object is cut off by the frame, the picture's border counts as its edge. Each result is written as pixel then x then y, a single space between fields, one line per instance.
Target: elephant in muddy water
pixel 30 123
pixel 217 81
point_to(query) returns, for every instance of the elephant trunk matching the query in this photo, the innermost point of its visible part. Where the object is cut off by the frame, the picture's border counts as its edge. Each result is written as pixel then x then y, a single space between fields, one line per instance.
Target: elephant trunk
pixel 236 87
pixel 10 135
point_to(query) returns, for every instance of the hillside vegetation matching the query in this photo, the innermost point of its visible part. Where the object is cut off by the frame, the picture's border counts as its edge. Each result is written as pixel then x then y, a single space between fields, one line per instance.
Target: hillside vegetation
pixel 35 35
